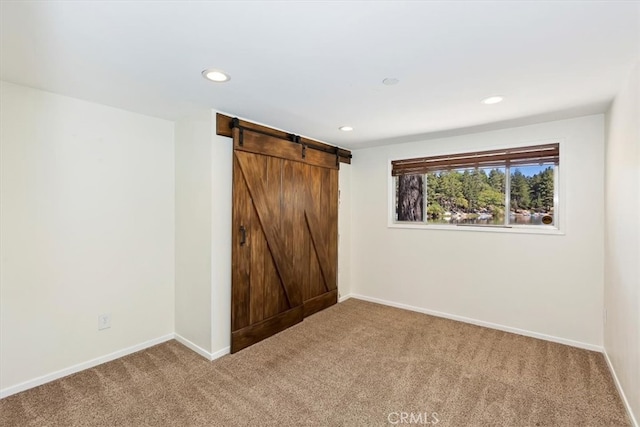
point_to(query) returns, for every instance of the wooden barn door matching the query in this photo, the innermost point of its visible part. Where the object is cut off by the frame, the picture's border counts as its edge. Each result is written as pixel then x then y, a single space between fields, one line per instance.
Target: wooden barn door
pixel 284 236
pixel 320 244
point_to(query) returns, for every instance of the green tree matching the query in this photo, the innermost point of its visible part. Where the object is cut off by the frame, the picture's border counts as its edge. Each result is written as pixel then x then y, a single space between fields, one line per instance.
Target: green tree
pixel 434 210
pixel 491 199
pixel 546 189
pixel 496 180
pixel 520 197
pixel 534 191
pixel 433 188
pixel 450 190
pixel 473 182
pixel 541 190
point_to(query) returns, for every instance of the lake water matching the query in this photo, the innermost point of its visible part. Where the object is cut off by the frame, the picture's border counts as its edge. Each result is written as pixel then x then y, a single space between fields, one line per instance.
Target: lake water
pixel 499 220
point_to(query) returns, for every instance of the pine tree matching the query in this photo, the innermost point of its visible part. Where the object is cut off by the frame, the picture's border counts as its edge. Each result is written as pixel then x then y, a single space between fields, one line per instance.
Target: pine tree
pixel 520 198
pixel 410 198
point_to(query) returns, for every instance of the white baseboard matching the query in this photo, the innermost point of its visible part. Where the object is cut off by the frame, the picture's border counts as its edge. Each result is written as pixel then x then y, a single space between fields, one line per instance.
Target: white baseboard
pixel 201 351
pixel 344 298
pixel 490 325
pixel 222 352
pixel 82 366
pixel 6 392
pixel 634 421
pixel 193 347
pixel 217 354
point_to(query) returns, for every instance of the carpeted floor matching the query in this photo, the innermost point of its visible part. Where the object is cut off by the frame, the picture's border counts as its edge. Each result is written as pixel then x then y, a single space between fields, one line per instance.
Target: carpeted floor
pixel 356 363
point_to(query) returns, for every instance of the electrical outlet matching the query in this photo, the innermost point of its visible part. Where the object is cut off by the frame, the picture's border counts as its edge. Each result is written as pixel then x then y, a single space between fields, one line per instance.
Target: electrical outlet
pixel 104 321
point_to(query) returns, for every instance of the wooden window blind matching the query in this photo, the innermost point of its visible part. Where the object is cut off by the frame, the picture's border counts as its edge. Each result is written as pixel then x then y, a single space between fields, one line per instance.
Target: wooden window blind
pixel 538 154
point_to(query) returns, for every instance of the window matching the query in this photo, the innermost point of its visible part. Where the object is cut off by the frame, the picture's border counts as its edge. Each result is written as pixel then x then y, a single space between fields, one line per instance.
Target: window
pixel 505 188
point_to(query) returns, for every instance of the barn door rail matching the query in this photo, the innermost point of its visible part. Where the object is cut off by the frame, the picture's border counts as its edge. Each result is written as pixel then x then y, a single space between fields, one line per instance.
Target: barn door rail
pixel 331 149
pixel 226 124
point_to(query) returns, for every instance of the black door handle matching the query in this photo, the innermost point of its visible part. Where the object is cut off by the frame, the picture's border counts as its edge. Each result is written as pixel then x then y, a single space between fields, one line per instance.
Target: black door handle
pixel 243 235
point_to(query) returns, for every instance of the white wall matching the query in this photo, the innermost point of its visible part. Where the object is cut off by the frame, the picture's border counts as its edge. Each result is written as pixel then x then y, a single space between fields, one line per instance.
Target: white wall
pixel 550 285
pixel 204 177
pixel 193 230
pixel 344 231
pixel 622 247
pixel 221 210
pixel 87 227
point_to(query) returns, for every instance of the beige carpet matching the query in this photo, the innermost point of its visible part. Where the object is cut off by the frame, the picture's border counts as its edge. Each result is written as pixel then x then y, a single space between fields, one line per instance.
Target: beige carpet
pixel 355 363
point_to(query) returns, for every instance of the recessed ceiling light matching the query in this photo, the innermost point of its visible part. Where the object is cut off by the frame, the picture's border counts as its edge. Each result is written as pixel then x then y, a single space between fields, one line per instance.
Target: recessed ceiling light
pixel 390 81
pixel 346 128
pixel 216 75
pixel 492 100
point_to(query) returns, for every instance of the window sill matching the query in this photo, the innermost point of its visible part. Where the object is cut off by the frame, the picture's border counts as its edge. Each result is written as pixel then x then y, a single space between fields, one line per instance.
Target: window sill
pixel 517 229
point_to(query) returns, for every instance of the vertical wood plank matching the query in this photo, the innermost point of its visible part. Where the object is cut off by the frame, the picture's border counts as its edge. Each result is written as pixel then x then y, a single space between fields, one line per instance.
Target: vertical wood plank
pixel 293 222
pixel 324 213
pixel 314 206
pixel 287 208
pixel 332 231
pixel 305 257
pixel 258 250
pixel 297 197
pixel 274 299
pixel 241 255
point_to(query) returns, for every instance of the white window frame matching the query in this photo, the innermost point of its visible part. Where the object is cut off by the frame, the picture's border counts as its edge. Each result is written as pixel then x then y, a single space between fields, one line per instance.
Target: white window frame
pixel 558 199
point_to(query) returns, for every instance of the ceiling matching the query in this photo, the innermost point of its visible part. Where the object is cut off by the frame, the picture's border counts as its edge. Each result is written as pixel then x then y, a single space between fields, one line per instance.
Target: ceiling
pixel 309 67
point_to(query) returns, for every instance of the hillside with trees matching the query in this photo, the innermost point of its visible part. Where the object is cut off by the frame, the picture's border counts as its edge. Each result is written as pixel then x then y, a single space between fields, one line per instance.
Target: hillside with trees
pixel 481 192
